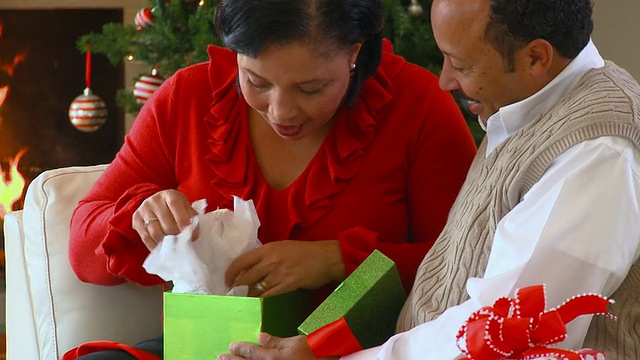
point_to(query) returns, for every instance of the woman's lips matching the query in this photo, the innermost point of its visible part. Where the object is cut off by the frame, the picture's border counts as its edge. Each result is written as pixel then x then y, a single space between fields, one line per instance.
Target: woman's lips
pixel 287 130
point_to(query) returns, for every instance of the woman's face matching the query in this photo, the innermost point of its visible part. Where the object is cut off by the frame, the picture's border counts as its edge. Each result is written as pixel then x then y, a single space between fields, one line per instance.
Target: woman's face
pixel 295 88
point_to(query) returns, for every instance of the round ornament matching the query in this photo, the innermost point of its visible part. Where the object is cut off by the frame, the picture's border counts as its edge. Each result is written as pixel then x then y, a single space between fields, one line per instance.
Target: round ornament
pixel 415 9
pixel 88 112
pixel 144 18
pixel 146 86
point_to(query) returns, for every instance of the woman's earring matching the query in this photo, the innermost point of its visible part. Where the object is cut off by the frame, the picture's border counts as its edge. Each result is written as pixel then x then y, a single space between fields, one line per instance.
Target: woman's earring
pixel 353 66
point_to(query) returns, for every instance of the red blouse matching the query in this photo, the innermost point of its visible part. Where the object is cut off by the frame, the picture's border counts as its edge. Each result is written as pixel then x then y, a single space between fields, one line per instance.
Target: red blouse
pixel 384 177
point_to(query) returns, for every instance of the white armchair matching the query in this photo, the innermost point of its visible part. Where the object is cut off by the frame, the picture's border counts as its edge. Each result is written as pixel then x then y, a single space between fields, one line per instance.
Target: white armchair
pixel 48 310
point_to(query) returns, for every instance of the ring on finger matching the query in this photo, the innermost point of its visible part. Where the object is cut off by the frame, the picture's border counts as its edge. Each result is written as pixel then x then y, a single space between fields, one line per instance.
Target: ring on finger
pixel 262 286
pixel 149 221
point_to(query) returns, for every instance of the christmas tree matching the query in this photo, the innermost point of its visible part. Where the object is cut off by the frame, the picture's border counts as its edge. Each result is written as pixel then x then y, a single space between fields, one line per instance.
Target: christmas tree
pixel 169 35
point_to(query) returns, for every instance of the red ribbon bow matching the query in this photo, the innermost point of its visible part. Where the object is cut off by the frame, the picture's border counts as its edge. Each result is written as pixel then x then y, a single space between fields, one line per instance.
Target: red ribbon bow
pixel 520 328
pixel 333 339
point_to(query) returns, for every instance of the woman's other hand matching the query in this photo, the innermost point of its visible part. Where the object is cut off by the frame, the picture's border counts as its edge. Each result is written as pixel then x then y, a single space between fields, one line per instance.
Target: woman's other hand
pixel 166 212
pixel 284 266
pixel 272 348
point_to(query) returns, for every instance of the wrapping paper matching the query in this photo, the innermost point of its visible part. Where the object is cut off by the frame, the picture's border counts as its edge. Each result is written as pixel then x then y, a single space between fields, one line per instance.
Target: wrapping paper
pixel 197 266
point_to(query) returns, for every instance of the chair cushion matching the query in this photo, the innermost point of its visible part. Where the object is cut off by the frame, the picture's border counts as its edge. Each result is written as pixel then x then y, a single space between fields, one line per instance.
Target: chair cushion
pixel 21 334
pixel 67 311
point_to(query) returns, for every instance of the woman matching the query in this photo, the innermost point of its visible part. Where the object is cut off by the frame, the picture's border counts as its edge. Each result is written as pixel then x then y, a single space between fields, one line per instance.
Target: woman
pixel 343 147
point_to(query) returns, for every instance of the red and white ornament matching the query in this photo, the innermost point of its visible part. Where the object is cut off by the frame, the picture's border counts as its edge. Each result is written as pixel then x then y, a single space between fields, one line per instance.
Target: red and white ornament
pixel 146 86
pixel 88 112
pixel 144 18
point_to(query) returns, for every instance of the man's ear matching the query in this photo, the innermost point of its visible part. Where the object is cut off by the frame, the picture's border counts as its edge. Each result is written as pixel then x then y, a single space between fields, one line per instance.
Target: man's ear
pixel 539 55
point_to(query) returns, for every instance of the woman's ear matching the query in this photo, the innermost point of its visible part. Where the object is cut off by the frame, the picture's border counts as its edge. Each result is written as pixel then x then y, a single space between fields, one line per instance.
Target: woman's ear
pixel 355 50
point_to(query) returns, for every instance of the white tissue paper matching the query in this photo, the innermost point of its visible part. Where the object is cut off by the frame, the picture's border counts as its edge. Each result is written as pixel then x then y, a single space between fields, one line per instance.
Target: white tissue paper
pixel 198 267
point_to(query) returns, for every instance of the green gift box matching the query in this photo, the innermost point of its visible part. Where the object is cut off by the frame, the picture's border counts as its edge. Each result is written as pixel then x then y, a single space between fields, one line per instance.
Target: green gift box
pixel 202 326
pixel 367 302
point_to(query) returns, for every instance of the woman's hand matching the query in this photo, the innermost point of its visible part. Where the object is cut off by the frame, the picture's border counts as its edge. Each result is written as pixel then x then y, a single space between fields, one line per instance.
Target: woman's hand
pixel 272 348
pixel 287 265
pixel 166 212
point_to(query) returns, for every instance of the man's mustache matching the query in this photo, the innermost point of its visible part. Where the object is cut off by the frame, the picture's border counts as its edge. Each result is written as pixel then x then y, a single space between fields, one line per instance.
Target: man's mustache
pixel 460 95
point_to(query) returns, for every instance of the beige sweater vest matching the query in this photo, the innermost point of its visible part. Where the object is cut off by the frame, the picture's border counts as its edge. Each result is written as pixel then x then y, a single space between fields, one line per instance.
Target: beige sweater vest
pixel 605 101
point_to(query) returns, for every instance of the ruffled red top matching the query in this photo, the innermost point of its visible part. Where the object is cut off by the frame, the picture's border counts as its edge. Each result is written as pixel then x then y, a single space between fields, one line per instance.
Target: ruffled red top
pixel 384 178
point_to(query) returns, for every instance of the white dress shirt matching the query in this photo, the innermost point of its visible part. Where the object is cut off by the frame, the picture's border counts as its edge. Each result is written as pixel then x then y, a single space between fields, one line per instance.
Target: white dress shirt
pixel 576 230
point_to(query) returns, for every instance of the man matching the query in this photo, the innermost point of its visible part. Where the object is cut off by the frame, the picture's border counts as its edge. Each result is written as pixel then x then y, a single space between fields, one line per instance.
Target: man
pixel 553 195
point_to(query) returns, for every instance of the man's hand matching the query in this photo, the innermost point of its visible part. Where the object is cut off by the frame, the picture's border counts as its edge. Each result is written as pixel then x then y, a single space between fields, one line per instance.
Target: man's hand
pixel 272 348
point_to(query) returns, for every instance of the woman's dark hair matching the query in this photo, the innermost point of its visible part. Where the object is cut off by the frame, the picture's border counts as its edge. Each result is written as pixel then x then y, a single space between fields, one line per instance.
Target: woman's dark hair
pixel 249 26
pixel 565 24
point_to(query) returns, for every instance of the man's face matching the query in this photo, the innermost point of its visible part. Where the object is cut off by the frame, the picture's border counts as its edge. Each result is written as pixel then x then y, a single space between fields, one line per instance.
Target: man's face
pixel 471 65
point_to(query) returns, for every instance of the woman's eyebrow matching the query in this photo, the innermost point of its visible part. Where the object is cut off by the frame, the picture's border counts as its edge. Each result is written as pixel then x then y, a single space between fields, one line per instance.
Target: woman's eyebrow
pixel 307 82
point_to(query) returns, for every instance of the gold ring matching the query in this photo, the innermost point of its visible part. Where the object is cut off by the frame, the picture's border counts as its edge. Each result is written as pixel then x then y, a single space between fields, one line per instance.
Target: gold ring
pixel 149 221
pixel 262 286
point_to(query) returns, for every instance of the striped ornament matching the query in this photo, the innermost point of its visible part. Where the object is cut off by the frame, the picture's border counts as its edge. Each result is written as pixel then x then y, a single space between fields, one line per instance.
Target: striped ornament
pixel 88 112
pixel 146 86
pixel 144 18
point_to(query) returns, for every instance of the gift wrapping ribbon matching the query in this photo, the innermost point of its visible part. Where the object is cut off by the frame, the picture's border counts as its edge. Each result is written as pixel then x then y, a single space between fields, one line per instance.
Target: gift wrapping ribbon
pixel 333 339
pixel 520 328
pixel 91 347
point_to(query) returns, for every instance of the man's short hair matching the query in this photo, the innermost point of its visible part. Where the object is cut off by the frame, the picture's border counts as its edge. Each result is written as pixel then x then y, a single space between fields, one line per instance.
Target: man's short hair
pixel 565 24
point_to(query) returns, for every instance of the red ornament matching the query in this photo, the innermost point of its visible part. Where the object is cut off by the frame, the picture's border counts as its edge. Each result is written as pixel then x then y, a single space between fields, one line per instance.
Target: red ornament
pixel 88 112
pixel 144 18
pixel 146 86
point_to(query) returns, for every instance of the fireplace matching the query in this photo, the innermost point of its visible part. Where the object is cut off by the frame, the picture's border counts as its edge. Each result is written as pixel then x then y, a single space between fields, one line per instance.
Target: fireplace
pixel 42 72
pixel 34 115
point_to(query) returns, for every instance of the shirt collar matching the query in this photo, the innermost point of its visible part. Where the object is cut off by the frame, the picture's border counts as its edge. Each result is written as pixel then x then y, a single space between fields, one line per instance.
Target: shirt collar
pixel 511 118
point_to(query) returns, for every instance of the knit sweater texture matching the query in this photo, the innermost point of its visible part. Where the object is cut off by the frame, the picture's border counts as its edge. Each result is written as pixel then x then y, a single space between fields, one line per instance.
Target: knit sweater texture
pixel 604 102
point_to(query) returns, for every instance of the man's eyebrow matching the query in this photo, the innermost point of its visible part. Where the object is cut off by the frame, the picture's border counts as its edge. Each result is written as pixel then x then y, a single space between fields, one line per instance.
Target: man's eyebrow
pixel 446 53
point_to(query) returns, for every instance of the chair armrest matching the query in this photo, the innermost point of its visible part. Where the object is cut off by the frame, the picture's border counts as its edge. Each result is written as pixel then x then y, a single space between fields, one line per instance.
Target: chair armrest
pixel 66 311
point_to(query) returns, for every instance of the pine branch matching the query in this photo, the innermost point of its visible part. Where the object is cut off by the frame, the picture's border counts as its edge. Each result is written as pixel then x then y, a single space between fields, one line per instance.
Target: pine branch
pixel 177 38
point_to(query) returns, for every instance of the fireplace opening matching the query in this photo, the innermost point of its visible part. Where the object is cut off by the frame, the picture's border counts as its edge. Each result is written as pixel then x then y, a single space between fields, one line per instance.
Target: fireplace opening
pixel 41 73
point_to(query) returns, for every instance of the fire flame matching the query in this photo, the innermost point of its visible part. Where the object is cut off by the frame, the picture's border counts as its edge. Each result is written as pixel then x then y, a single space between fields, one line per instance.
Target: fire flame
pixel 9 68
pixel 13 183
pixel 3 94
pixel 11 188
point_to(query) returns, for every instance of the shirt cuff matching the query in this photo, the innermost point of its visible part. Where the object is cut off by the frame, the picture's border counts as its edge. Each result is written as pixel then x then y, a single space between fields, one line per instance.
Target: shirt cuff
pixel 356 245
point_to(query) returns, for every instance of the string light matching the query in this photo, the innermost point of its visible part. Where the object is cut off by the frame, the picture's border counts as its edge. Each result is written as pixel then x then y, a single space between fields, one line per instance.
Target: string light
pixel 415 9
